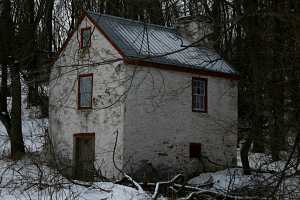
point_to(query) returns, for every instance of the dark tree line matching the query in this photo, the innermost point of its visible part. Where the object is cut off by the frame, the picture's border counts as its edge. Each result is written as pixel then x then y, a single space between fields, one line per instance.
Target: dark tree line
pixel 22 57
pixel 259 38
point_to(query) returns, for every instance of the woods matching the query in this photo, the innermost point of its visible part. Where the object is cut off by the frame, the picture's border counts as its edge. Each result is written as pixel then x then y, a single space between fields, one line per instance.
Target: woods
pixel 259 38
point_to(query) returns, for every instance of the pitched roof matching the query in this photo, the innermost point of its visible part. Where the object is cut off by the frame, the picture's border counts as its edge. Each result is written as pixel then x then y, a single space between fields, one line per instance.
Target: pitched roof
pixel 158 44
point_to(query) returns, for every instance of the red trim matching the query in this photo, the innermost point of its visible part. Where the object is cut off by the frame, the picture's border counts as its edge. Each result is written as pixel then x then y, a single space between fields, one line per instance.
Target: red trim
pixel 84 135
pixel 106 36
pixel 205 97
pixel 78 91
pixel 181 69
pixel 70 35
pixel 81 37
pixel 76 29
pixel 146 63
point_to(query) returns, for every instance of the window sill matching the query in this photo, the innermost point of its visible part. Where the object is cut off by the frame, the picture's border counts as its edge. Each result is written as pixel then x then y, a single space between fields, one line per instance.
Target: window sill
pixel 85 108
pixel 200 111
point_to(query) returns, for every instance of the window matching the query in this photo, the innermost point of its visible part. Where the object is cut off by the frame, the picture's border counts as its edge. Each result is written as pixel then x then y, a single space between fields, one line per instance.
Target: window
pixel 199 93
pixel 85 91
pixel 85 41
pixel 195 150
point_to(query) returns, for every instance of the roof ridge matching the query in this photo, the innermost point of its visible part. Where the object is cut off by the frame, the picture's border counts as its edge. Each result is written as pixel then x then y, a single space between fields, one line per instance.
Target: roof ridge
pixel 131 20
pixel 164 45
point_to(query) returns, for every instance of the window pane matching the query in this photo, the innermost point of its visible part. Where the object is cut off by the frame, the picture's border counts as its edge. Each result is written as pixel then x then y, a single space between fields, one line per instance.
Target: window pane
pixel 199 86
pixel 200 90
pixel 85 100
pixel 86 84
pixel 201 102
pixel 85 91
pixel 86 35
pixel 199 94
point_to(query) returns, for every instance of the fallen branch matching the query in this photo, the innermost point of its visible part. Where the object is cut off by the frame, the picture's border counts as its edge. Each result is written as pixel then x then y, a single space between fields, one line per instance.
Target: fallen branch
pixel 219 194
pixel 138 187
pixel 158 184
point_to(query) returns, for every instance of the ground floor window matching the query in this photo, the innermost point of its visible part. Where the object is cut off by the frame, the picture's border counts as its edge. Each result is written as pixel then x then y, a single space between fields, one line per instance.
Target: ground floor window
pixel 195 150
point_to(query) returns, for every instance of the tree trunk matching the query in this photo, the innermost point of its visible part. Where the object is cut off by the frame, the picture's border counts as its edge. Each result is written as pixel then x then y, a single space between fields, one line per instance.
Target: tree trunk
pixel 244 155
pixel 30 43
pixel 3 90
pixel 5 46
pixel 48 25
pixel 5 38
pixel 280 52
pixel 16 137
pixel 33 93
pixel 257 119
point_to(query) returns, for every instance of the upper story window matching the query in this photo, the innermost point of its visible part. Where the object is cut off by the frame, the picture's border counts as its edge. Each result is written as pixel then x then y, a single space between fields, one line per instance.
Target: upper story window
pixel 85 39
pixel 199 93
pixel 85 91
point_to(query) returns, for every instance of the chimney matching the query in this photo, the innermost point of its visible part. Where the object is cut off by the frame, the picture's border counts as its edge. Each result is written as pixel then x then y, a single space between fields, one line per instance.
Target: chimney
pixel 196 29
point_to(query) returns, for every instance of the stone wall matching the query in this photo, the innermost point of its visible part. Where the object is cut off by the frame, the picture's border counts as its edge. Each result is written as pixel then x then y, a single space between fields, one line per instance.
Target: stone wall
pixel 106 117
pixel 149 108
pixel 160 124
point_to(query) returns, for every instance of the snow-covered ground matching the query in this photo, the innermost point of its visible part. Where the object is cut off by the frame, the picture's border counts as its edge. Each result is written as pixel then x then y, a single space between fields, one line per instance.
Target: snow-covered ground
pixel 33 131
pixel 232 180
pixel 263 162
pixel 30 178
pixel 25 180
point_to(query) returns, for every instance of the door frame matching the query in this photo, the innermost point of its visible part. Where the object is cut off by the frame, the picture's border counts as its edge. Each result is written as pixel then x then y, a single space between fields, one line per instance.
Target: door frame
pixel 77 136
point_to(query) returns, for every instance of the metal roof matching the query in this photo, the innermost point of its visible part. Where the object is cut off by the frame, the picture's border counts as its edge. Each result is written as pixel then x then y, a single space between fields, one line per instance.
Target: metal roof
pixel 158 44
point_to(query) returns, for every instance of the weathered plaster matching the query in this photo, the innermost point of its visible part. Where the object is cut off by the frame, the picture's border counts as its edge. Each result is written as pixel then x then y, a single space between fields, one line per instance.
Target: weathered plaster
pixel 106 117
pixel 159 122
pixel 150 108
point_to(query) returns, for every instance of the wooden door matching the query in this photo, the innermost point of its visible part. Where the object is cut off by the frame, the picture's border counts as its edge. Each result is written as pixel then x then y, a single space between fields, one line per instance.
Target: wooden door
pixel 84 156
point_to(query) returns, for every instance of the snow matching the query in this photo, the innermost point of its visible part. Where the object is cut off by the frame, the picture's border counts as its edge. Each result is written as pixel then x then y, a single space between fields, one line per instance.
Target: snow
pixel 263 162
pixel 33 131
pixel 117 192
pixel 30 178
pixel 228 179
pixel 232 179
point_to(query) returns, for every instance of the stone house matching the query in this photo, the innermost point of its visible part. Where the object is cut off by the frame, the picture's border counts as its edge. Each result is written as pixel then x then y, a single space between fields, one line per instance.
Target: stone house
pixel 126 95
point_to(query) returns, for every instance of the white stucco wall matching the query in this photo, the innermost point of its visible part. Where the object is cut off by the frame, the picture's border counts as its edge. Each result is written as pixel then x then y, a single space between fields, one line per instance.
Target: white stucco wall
pixel 160 124
pixel 150 108
pixel 105 118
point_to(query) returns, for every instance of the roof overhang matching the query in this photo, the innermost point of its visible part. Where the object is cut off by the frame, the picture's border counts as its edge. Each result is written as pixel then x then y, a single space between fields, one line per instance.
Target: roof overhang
pixel 141 62
pixel 180 69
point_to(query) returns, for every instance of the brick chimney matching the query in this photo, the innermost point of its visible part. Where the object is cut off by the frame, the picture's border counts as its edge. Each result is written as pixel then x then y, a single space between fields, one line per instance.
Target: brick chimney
pixel 195 28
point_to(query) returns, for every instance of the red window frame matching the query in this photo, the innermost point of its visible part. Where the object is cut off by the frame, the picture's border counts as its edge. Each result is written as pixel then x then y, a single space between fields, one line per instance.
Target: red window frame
pixel 194 109
pixel 84 135
pixel 79 107
pixel 81 37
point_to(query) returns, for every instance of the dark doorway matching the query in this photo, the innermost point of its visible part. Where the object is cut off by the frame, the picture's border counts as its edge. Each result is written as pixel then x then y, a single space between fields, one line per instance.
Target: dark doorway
pixel 84 156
